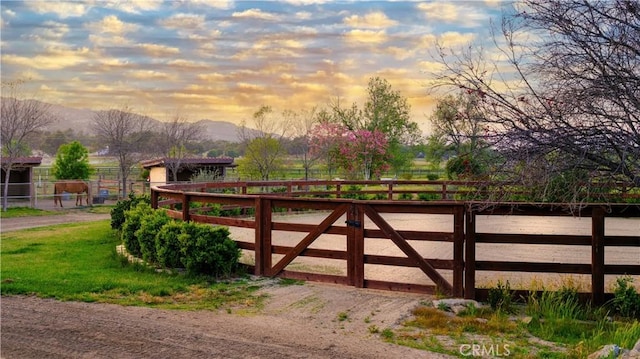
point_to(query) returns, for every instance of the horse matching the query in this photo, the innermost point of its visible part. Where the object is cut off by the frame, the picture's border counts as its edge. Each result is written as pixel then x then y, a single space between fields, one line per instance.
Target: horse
pixel 78 187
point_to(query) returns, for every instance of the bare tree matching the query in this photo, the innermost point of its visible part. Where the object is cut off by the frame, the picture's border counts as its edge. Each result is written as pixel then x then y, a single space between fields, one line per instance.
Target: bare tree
pixel 127 136
pixel 174 137
pixel 563 100
pixel 302 124
pixel 20 119
pixel 263 145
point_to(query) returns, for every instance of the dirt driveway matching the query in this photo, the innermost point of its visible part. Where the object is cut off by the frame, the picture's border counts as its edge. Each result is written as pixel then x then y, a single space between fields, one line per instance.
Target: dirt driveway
pixel 299 321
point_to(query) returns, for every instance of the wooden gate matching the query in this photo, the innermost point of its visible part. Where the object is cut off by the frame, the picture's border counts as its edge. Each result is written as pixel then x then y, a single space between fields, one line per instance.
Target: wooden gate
pixel 355 234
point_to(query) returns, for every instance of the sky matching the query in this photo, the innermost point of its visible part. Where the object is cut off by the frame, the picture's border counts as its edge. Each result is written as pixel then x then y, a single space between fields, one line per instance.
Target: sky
pixel 222 59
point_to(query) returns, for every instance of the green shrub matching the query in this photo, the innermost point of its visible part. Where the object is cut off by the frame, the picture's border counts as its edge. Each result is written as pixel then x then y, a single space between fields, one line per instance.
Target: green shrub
pixel 355 192
pixel 463 167
pixel 208 249
pixel 233 212
pixel 123 205
pixel 168 244
pixel 429 196
pixel 380 196
pixel 626 300
pixel 499 298
pixel 406 196
pixel 149 226
pixel 132 220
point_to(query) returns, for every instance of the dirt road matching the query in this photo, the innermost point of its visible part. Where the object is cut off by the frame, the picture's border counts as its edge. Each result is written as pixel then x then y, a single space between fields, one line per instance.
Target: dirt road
pixel 298 322
pixel 14 224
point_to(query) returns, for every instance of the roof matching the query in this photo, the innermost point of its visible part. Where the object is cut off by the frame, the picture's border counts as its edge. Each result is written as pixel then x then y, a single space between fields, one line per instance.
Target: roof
pixel 162 162
pixel 24 161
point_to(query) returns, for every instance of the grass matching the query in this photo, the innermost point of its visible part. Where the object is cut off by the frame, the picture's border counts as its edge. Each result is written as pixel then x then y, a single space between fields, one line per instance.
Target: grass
pixel 554 325
pixel 79 262
pixel 15 212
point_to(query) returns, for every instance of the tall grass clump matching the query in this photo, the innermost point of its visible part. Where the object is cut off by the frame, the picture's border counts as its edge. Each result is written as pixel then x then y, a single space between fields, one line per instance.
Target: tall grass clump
pixel 626 300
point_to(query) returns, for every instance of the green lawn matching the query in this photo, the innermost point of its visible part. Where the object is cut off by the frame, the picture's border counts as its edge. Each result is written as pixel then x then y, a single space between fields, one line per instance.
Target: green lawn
pixel 14 212
pixel 79 262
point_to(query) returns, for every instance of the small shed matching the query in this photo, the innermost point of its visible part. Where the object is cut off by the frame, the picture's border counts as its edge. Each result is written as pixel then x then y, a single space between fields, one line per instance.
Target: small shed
pixel 160 168
pixel 21 181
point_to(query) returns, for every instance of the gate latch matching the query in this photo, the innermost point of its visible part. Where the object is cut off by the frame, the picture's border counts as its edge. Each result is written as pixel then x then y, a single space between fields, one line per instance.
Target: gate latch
pixel 353 224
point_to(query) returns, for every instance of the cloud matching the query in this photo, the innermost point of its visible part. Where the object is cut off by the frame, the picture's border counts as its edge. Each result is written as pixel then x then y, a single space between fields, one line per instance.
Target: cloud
pixel 454 38
pixel 374 20
pixel 400 53
pixel 493 3
pixel 189 65
pixel 306 2
pixel 111 25
pixel 211 77
pixel 63 9
pixel 134 6
pixel 430 66
pixel 150 75
pixel 106 41
pixel 159 50
pixel 366 36
pixel 255 14
pixel 183 21
pixel 448 39
pixel 303 15
pixel 31 75
pixel 216 4
pixel 50 31
pixel 53 59
pixel 462 14
pixel 111 63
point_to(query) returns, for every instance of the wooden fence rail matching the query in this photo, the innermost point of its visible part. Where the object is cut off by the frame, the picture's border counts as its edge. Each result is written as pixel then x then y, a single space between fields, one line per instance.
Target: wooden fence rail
pixel 360 223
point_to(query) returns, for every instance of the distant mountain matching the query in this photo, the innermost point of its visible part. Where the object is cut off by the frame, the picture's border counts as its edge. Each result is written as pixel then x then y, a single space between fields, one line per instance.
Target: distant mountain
pixel 220 130
pixel 80 120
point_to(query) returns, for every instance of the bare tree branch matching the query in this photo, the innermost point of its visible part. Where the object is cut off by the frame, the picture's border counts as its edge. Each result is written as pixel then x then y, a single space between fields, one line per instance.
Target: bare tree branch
pixel 21 118
pixel 563 99
pixel 127 135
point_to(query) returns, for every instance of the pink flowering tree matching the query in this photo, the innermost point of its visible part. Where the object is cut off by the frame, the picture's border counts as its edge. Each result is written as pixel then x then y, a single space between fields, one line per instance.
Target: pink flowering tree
pixel 361 153
pixel 365 152
pixel 326 140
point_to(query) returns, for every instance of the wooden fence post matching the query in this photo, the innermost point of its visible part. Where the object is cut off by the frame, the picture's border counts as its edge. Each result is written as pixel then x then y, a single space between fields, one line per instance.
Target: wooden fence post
pixel 185 207
pixel 458 251
pixel 154 199
pixel 355 246
pixel 470 255
pixel 263 237
pixel 597 256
